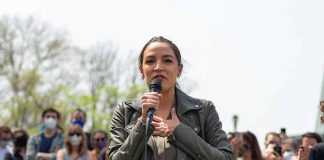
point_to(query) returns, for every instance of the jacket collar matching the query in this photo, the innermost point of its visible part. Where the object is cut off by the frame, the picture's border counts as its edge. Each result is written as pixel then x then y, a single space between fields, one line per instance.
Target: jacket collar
pixel 184 103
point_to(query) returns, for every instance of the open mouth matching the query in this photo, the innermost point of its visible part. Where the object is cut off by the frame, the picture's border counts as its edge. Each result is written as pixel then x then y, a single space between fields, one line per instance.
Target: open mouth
pixel 159 76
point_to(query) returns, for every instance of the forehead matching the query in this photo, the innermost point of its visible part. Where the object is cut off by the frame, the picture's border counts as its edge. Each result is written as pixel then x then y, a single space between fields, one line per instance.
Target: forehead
pixel 272 137
pixel 159 49
pixel 307 140
pixel 50 114
pixel 78 115
pixel 99 134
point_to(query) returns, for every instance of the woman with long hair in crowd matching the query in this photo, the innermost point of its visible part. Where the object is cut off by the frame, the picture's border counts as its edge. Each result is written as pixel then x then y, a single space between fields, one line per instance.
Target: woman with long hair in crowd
pixel 75 145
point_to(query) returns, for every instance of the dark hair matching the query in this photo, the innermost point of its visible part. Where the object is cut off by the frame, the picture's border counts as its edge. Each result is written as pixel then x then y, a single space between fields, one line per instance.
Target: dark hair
pixel 314 135
pixel 250 138
pixel 20 140
pixel 51 110
pixel 160 39
pixel 81 111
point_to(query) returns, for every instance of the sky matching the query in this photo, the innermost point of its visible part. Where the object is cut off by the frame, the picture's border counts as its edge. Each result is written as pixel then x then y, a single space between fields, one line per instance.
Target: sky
pixel 260 60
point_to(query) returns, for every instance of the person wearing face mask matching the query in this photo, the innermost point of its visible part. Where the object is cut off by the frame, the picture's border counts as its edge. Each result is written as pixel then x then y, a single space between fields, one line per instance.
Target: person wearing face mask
pixel 45 145
pixel 75 145
pixel 20 143
pixel 99 142
pixel 5 139
pixel 79 117
pixel 288 149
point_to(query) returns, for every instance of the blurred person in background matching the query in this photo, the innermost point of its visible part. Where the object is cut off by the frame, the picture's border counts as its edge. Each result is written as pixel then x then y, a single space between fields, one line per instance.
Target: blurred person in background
pixel 317 152
pixel 245 146
pixel 75 145
pixel 5 139
pixel 288 149
pixel 99 142
pixel 272 139
pixel 79 117
pixel 45 145
pixel 20 145
pixel 309 139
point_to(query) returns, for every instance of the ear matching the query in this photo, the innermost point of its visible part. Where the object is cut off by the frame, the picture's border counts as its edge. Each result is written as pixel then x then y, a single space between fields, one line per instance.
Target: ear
pixel 180 70
pixel 141 69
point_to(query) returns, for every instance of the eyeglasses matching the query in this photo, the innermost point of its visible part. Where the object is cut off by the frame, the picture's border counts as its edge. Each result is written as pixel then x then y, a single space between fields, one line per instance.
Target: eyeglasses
pixel 100 139
pixel 71 134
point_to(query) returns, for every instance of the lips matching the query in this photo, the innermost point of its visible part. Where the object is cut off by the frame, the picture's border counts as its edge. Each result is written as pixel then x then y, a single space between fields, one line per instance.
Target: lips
pixel 159 76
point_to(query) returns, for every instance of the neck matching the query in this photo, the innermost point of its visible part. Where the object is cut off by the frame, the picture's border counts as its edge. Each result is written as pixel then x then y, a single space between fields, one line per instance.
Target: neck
pixel 75 148
pixel 166 103
pixel 49 132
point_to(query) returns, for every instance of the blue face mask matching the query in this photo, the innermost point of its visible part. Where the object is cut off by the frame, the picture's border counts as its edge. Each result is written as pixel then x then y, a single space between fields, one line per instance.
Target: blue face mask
pixel 79 122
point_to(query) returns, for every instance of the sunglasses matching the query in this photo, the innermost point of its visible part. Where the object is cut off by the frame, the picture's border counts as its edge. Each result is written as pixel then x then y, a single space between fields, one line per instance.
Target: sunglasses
pixel 100 139
pixel 71 134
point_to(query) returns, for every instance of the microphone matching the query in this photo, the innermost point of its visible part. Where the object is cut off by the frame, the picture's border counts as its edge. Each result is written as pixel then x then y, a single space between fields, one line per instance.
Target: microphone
pixel 155 86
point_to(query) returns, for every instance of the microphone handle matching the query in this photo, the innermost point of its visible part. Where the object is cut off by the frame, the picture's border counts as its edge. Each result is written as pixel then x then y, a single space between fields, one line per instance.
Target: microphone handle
pixel 150 114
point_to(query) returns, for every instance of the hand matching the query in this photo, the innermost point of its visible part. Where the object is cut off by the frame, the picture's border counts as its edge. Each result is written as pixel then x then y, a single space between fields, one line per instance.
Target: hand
pixel 150 100
pixel 236 144
pixel 163 127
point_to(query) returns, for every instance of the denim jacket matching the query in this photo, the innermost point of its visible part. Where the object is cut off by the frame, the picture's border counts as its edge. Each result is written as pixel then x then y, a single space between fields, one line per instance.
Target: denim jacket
pixel 199 135
pixel 33 145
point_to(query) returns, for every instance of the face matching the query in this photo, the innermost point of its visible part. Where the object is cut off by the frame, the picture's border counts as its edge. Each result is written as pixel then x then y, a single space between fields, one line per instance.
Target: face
pixel 159 60
pixel 287 147
pixel 99 137
pixel 78 115
pixel 308 142
pixel 272 139
pixel 5 135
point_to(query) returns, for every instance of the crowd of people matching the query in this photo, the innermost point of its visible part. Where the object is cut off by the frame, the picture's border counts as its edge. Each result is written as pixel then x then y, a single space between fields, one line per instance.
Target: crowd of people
pixel 182 127
pixel 52 142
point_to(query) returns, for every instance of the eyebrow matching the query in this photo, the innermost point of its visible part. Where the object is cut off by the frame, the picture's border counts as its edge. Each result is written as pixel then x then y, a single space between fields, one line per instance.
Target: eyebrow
pixel 164 56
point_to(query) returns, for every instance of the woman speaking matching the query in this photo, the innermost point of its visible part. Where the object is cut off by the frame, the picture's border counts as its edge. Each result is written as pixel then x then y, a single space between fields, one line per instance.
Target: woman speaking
pixel 183 127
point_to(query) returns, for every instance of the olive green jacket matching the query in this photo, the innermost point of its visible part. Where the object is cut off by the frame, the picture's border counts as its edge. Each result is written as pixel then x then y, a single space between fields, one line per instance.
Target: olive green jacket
pixel 199 136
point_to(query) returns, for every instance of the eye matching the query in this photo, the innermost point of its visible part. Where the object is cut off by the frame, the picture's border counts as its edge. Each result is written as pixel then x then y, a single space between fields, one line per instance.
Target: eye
pixel 168 60
pixel 149 61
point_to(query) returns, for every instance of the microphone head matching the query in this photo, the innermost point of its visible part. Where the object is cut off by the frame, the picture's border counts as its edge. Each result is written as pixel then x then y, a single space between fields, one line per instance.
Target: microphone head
pixel 156 85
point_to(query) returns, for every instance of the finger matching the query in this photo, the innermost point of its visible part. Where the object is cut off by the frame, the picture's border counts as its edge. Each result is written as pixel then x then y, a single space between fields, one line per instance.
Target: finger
pixel 157 118
pixel 173 112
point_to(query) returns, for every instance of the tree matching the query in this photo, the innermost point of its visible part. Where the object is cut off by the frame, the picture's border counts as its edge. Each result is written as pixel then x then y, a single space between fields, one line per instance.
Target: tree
pixel 110 80
pixel 29 50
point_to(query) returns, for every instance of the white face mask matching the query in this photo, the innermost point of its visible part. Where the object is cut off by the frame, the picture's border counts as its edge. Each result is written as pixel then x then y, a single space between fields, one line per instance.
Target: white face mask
pixel 288 155
pixel 75 140
pixel 50 123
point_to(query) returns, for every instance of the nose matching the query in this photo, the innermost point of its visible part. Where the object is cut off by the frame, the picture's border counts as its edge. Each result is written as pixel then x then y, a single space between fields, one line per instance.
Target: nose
pixel 158 67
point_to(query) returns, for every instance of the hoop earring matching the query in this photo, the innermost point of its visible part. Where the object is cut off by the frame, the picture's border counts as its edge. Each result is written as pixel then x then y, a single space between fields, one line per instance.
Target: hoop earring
pixel 142 76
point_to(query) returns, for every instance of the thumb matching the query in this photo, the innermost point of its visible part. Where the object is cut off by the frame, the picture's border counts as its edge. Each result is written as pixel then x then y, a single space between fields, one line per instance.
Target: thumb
pixel 174 113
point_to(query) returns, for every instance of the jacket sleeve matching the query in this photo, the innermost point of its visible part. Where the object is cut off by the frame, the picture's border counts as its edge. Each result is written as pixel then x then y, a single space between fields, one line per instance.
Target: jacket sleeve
pixel 31 148
pixel 216 145
pixel 126 145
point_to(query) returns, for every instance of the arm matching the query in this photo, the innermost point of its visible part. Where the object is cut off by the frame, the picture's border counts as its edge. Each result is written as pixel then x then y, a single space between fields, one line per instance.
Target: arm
pixel 89 156
pixel 60 155
pixel 45 156
pixel 31 148
pixel 217 145
pixel 123 146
